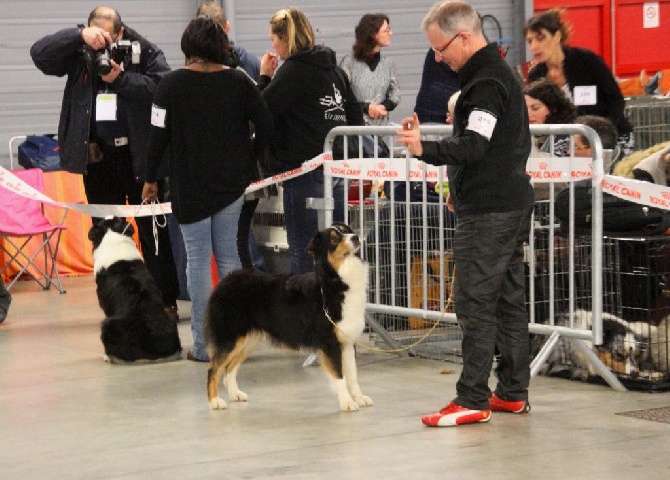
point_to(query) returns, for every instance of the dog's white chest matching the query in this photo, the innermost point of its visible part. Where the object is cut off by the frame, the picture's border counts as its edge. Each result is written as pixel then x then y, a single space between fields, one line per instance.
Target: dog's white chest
pixel 113 248
pixel 353 306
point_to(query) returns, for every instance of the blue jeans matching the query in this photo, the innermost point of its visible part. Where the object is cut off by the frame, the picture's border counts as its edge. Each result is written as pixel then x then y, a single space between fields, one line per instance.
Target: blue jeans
pixel 490 305
pixel 216 234
pixel 301 222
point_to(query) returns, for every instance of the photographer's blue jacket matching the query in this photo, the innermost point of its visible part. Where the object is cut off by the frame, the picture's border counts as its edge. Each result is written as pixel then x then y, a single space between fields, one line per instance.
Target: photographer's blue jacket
pixel 65 53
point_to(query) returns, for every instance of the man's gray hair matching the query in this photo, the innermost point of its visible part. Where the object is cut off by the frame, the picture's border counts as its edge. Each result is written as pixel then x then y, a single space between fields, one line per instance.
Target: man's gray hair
pixel 453 17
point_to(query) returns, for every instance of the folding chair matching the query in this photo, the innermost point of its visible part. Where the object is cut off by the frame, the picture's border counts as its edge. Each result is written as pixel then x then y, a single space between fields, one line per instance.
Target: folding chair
pixel 22 220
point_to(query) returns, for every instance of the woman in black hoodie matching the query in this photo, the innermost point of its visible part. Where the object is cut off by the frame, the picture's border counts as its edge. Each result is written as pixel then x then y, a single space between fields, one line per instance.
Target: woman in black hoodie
pixel 308 96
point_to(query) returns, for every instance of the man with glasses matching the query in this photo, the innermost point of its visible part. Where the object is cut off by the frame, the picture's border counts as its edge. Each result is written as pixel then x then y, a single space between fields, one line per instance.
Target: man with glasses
pixel 492 198
pixel 112 74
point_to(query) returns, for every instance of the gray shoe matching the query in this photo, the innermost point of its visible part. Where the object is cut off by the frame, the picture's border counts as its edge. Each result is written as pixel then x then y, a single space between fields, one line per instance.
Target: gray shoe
pixel 5 301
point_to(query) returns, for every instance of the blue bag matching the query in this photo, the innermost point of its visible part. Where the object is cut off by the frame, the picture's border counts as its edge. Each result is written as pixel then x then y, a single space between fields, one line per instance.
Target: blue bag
pixel 40 151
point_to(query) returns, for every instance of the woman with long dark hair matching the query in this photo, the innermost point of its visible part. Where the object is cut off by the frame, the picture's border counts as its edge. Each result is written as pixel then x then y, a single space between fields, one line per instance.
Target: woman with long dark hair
pixel 373 76
pixel 204 111
pixel 547 104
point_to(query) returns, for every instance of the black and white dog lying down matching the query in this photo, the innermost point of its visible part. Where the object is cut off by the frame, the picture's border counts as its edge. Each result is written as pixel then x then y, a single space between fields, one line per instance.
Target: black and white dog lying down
pixel 629 348
pixel 136 327
pixel 322 310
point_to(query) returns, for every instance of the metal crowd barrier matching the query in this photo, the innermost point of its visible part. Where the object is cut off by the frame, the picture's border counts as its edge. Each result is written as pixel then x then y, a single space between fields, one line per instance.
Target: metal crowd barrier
pixel 408 232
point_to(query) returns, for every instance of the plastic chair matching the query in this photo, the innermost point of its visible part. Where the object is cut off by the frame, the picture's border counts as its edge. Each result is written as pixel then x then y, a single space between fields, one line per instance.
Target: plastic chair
pixel 22 220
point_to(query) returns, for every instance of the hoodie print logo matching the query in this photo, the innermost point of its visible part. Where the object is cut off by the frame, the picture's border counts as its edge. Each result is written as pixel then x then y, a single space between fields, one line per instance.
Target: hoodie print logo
pixel 335 109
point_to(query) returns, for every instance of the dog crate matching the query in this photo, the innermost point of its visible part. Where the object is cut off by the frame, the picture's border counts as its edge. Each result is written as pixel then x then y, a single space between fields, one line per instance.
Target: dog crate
pixel 650 117
pixel 269 230
pixel 636 310
pixel 637 295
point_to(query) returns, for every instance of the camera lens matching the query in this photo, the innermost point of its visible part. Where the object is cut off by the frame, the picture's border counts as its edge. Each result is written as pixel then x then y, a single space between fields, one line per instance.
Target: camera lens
pixel 102 65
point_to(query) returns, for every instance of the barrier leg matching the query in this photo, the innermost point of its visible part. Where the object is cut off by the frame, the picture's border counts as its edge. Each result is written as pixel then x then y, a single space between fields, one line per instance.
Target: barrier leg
pixel 544 353
pixel 381 331
pixel 600 367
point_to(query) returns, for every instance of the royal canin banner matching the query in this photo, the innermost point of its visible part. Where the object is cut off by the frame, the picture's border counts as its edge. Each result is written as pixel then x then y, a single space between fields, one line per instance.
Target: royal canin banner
pixel 540 169
pixel 645 193
pixel 558 169
pixel 396 169
pixel 14 184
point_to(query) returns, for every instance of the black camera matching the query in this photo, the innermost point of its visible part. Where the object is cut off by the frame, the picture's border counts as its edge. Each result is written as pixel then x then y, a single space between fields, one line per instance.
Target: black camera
pixel 118 51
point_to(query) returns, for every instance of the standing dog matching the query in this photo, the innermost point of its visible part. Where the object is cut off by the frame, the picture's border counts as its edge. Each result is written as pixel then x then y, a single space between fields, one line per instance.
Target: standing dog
pixel 137 328
pixel 323 311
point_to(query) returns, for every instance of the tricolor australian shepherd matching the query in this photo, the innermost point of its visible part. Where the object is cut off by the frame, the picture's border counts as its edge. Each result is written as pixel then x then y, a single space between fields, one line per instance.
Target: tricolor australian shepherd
pixel 136 327
pixel 323 311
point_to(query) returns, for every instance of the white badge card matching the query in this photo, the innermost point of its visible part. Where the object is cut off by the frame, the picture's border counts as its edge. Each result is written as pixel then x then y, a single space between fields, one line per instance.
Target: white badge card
pixel 482 122
pixel 158 116
pixel 585 95
pixel 105 107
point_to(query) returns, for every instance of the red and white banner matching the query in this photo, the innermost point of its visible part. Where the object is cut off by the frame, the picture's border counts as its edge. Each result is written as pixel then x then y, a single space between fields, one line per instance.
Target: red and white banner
pixel 396 169
pixel 558 169
pixel 13 183
pixel 307 166
pixel 540 169
pixel 645 193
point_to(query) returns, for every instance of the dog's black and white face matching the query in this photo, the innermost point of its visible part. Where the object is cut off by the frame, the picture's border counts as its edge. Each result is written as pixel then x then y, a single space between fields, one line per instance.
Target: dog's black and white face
pixel 336 243
pixel 112 242
pixel 114 224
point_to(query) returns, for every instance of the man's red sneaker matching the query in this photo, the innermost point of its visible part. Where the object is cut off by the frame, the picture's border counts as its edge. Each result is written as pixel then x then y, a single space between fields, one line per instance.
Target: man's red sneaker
pixel 453 414
pixel 499 405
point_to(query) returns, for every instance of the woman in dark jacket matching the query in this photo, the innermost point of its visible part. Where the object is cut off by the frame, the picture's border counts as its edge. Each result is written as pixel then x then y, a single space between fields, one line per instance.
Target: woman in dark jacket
pixel 582 74
pixel 308 96
pixel 203 112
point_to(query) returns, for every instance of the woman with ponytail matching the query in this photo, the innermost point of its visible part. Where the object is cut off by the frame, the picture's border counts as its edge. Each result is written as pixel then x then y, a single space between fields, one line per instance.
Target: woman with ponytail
pixel 308 96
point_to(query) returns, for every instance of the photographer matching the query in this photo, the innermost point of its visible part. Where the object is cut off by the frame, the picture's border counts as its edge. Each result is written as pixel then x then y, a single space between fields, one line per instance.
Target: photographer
pixel 112 75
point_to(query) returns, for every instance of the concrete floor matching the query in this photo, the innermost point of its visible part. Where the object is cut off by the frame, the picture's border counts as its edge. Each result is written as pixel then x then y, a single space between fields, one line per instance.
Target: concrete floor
pixel 65 414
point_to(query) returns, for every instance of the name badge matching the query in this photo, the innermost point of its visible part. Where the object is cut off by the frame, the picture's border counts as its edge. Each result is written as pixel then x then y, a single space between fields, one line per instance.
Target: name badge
pixel 105 107
pixel 482 122
pixel 585 95
pixel 158 116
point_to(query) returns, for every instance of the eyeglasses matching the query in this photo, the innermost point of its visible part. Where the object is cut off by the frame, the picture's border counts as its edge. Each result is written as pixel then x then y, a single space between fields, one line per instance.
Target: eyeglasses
pixel 582 145
pixel 441 50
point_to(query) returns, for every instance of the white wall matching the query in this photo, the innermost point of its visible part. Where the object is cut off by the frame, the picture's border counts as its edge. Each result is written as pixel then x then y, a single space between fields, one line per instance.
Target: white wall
pixel 30 101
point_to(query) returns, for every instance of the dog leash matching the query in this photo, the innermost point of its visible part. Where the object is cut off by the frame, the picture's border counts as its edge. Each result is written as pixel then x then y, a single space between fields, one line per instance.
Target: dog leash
pixel 155 224
pixel 395 350
pixel 386 350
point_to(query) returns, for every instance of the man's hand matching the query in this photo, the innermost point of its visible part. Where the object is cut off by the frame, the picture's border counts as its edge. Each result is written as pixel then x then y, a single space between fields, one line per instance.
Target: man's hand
pixel 150 192
pixel 410 136
pixel 96 37
pixel 450 203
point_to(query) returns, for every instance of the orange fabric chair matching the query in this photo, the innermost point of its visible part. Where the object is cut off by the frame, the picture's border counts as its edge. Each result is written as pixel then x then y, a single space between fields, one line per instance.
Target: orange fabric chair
pixel 21 220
